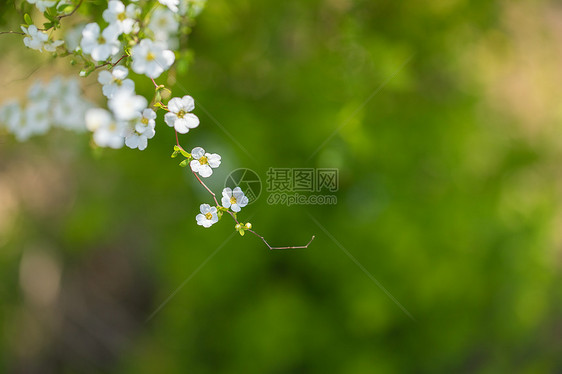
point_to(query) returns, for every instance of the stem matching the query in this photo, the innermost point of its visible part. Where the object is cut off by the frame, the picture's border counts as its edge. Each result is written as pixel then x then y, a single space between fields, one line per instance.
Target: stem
pixel 110 63
pixel 272 248
pixel 64 15
pixel 232 214
pixel 12 32
pixel 71 13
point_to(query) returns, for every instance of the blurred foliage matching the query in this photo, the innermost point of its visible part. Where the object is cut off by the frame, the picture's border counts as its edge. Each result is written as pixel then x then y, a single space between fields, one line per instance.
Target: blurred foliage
pixel 446 198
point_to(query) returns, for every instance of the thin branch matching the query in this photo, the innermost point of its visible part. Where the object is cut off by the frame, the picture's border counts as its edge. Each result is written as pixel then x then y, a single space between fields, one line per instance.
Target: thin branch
pixel 71 13
pixel 272 248
pixel 12 32
pixel 231 213
pixel 112 64
pixel 59 17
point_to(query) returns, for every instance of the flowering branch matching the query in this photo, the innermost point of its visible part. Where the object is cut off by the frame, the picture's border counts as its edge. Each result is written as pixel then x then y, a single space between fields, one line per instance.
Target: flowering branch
pixel 144 37
pixel 241 228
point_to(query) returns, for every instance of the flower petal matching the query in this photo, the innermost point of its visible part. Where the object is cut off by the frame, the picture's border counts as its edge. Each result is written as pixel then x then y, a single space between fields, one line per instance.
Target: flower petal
pixel 205 171
pixel 197 153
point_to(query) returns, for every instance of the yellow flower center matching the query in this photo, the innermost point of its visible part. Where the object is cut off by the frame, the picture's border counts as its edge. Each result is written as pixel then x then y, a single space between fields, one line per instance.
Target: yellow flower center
pixel 233 200
pixel 118 82
pixel 144 121
pixel 203 160
pixel 101 40
pixel 181 113
pixel 150 56
pixel 121 16
pixel 208 216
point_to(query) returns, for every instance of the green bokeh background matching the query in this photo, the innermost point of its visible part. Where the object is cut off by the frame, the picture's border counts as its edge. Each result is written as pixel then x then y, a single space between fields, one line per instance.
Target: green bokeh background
pixel 449 200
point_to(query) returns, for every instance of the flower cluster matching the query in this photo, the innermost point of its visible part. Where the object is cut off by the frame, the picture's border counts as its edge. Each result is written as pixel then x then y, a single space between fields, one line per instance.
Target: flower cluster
pixel 39 40
pixel 235 200
pixel 131 122
pixel 132 35
pixel 56 104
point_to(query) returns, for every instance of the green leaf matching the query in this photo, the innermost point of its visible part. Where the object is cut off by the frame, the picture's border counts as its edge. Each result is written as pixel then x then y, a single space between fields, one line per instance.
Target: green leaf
pixel 27 19
pixel 64 8
pixel 184 153
pixel 183 163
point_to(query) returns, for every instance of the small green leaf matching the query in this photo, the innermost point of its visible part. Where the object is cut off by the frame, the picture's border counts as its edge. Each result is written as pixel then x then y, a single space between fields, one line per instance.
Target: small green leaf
pixel 183 163
pixel 63 8
pixel 27 19
pixel 185 154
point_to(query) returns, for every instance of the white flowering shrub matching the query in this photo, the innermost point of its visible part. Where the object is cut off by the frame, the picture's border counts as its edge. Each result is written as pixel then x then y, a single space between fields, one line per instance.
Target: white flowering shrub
pixel 137 35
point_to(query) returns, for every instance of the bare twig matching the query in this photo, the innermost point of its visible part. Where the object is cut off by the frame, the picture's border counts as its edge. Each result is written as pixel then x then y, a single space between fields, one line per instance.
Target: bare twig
pixel 12 32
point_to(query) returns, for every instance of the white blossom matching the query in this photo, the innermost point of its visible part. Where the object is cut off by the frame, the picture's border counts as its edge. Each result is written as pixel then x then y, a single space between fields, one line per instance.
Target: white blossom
pixel 42 5
pixel 11 116
pixel 37 118
pixel 208 215
pixel 193 7
pixel 126 105
pixel 52 45
pixel 108 132
pixel 34 39
pixel 122 17
pixel 114 80
pixel 164 26
pixel 67 106
pixel 179 117
pixel 100 46
pixel 39 93
pixel 172 4
pixel 234 200
pixel 141 130
pixel 151 58
pixel 204 163
pixel 73 36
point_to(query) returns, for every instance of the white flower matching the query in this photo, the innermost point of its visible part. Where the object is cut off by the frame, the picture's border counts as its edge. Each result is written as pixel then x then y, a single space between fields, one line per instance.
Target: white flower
pixel 179 117
pixel 107 131
pixel 34 39
pixel 194 7
pixel 11 115
pixel 234 200
pixel 172 4
pixel 52 45
pixel 100 47
pixel 146 120
pixel 125 105
pixel 72 37
pixel 208 215
pixel 42 5
pixel 142 130
pixel 123 18
pixel 163 24
pixel 151 58
pixel 37 118
pixel 69 114
pixel 114 80
pixel 203 162
pixel 38 93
